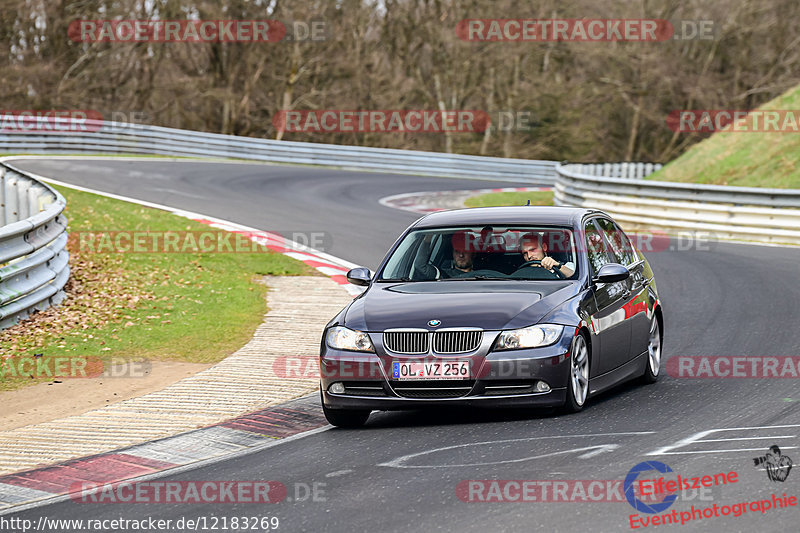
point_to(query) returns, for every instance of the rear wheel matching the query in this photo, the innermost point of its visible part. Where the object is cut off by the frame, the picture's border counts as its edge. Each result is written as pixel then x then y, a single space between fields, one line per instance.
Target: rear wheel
pixel 653 367
pixel 346 418
pixel 578 386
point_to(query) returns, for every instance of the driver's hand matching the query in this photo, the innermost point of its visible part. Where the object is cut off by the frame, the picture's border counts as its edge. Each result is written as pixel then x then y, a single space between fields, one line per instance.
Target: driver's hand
pixel 549 263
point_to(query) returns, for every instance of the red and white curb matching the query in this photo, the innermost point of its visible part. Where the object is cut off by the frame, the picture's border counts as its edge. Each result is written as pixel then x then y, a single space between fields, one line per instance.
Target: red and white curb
pixel 331 266
pixel 244 434
pixel 425 202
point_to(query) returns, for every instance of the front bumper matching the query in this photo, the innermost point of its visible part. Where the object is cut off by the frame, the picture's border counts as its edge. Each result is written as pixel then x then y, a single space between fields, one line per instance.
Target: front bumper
pixel 554 398
pixel 500 379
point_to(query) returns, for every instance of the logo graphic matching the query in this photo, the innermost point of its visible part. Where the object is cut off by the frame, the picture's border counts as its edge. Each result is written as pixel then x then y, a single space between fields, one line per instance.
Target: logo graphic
pixel 630 482
pixel 434 323
pixel 777 466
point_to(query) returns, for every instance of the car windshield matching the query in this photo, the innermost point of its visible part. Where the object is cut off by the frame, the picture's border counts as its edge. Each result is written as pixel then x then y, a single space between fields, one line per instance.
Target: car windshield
pixel 483 253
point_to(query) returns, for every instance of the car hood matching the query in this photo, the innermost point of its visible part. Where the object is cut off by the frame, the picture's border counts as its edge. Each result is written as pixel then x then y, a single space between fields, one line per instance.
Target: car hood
pixel 489 305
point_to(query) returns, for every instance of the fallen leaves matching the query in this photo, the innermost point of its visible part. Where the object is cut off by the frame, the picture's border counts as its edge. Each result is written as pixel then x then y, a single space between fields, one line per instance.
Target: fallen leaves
pixel 100 292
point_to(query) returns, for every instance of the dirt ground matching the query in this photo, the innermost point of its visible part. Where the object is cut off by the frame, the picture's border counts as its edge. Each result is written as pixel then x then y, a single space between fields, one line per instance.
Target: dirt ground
pixel 50 401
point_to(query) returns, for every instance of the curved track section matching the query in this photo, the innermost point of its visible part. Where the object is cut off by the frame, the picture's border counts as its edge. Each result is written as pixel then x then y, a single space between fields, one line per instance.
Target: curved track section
pixel 403 471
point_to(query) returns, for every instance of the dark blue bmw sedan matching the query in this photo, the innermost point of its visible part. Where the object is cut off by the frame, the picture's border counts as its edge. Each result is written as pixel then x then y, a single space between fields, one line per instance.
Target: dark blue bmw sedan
pixel 498 306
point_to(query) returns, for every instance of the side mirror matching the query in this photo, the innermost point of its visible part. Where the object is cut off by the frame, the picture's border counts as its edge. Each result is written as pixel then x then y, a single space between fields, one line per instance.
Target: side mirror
pixel 611 273
pixel 361 276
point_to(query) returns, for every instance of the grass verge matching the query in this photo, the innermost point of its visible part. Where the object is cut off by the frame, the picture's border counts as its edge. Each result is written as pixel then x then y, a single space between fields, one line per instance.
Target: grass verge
pixel 193 307
pixel 494 199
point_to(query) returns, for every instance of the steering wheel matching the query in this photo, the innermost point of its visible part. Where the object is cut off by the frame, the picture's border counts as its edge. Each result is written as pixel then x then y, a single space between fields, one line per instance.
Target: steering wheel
pixel 556 270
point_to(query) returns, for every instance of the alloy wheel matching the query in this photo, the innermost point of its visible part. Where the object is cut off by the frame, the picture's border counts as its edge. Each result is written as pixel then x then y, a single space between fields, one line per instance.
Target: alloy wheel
pixel 654 348
pixel 580 371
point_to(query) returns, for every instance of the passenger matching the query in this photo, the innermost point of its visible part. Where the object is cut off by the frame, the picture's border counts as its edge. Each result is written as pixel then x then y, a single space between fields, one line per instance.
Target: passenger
pixel 462 259
pixel 533 248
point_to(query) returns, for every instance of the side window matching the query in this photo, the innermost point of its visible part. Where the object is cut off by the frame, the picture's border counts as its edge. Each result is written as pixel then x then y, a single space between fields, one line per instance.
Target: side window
pixel 595 248
pixel 621 247
pixel 627 247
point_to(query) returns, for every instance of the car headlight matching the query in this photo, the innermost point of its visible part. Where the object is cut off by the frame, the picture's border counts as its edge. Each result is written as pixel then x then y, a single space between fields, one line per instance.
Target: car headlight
pixel 342 338
pixel 530 337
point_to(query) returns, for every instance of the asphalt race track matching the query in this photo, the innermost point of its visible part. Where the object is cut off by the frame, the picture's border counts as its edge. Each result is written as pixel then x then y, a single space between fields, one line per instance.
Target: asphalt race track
pixel 729 300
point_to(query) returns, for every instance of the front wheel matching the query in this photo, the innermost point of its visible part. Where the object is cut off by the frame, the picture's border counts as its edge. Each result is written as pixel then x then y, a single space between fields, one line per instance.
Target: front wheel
pixel 654 342
pixel 346 418
pixel 578 386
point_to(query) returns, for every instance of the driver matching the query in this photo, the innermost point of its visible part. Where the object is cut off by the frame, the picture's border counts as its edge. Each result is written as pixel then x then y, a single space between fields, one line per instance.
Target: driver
pixel 533 248
pixel 462 258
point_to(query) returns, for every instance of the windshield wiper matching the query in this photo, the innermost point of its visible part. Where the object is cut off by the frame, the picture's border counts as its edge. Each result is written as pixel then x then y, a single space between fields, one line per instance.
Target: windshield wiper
pixel 479 277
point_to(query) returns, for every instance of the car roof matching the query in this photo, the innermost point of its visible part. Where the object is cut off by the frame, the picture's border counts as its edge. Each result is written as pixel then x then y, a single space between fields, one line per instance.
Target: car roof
pixel 481 216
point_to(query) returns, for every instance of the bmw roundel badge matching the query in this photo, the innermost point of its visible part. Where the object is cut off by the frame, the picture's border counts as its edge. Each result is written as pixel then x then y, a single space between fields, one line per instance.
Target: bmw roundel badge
pixel 434 323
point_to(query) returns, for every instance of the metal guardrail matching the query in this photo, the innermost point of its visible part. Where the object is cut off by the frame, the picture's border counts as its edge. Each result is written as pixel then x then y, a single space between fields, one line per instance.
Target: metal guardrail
pixel 33 246
pixel 626 170
pixel 100 137
pixel 739 213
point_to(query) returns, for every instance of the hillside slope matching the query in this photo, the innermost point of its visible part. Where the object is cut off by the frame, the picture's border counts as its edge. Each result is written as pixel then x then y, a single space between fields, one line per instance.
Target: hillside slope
pixel 743 158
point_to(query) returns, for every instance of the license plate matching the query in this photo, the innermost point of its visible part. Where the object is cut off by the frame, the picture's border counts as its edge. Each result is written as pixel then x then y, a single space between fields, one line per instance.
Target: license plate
pixel 430 370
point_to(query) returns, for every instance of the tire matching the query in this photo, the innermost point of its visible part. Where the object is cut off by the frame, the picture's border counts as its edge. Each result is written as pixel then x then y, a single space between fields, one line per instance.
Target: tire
pixel 346 418
pixel 578 382
pixel 652 368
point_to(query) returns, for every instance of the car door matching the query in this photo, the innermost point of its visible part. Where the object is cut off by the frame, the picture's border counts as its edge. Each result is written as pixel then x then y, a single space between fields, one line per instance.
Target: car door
pixel 609 322
pixel 636 307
